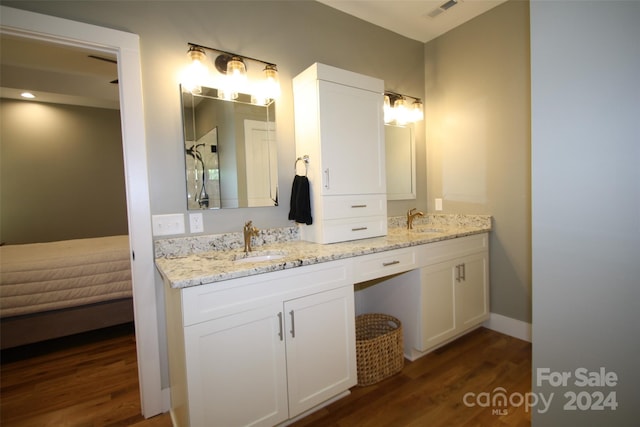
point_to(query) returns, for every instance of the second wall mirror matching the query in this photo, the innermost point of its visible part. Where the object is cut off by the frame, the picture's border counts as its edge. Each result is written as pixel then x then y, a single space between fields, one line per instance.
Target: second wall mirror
pixel 230 151
pixel 400 162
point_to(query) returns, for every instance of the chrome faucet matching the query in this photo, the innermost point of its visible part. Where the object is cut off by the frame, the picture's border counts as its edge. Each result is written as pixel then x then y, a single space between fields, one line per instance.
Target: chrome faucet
pixel 411 214
pixel 249 231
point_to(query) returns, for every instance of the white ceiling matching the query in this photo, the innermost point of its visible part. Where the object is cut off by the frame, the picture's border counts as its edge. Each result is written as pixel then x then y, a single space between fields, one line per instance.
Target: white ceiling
pixel 410 18
pixel 57 73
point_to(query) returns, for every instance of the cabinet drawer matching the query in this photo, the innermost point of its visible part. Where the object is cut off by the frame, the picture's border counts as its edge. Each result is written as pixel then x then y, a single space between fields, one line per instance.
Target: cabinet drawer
pixel 449 249
pixel 341 230
pixel 384 264
pixel 215 300
pixel 337 207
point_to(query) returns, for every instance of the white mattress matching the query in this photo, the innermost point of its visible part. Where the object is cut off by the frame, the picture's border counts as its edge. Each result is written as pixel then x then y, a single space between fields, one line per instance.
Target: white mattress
pixel 48 276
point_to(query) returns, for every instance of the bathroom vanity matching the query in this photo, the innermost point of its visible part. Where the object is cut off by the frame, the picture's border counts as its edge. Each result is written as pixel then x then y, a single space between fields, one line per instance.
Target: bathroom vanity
pixel 264 341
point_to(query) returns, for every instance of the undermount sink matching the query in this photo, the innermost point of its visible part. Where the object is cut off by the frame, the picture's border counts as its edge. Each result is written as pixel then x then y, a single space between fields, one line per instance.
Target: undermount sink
pixel 260 256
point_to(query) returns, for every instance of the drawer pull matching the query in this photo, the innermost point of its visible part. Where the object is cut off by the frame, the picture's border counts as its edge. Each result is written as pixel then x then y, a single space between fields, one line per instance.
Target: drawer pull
pixel 358 206
pixel 387 264
pixel 359 229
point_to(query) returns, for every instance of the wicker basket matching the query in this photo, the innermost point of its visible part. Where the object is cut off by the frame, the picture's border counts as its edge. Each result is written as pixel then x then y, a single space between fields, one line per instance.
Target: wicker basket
pixel 379 349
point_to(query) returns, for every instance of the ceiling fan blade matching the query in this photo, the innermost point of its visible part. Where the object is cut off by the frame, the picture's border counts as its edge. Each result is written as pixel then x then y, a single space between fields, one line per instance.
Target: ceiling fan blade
pixel 100 58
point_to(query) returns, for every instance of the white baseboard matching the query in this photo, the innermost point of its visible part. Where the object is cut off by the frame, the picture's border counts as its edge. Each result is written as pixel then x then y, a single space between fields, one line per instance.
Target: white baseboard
pixel 508 326
pixel 166 399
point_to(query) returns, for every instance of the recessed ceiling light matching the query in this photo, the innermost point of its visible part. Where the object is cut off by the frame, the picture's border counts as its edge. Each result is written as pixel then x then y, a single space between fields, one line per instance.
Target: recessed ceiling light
pixel 27 95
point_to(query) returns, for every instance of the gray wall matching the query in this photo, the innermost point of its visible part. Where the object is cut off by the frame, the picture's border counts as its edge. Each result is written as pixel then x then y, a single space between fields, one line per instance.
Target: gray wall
pixel 585 69
pixel 62 172
pixel 478 140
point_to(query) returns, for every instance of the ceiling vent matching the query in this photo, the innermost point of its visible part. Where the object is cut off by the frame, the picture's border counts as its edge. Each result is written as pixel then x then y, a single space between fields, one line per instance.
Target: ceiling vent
pixel 442 8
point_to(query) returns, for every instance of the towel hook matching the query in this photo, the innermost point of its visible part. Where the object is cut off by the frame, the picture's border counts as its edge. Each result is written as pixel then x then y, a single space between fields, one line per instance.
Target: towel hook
pixel 304 159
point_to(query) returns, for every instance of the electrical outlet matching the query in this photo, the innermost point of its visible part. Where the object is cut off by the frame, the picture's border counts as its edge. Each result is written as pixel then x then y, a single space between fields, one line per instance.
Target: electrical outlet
pixel 438 204
pixel 195 223
pixel 164 225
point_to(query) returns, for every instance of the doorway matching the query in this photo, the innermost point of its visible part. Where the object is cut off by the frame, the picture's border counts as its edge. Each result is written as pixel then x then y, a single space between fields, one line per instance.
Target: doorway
pixel 125 48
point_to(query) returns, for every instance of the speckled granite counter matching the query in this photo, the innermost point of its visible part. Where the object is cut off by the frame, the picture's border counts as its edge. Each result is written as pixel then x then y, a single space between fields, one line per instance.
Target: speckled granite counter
pixel 192 261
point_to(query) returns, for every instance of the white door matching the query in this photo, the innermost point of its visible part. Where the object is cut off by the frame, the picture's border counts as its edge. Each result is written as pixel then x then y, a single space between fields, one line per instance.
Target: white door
pixel 438 298
pixel 352 138
pixel 236 369
pixel 472 293
pixel 321 357
pixel 261 163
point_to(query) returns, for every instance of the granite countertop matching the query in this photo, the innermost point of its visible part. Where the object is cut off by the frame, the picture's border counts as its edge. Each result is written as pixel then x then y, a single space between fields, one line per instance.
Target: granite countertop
pixel 193 261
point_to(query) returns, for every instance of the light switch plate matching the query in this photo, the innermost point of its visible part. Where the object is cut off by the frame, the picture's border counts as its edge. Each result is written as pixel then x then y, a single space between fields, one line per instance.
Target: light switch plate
pixel 195 223
pixel 438 204
pixel 164 225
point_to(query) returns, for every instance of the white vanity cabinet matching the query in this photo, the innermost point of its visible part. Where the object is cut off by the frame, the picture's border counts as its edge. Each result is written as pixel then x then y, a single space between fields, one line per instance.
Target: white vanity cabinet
pixel 446 296
pixel 261 349
pixel 339 125
pixel 454 297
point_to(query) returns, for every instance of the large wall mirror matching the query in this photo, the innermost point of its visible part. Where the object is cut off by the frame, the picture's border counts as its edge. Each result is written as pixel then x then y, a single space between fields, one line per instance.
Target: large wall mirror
pixel 230 151
pixel 400 162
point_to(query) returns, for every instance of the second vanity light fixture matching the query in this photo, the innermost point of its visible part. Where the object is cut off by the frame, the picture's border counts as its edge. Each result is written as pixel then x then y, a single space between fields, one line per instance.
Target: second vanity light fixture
pixel 398 111
pixel 232 75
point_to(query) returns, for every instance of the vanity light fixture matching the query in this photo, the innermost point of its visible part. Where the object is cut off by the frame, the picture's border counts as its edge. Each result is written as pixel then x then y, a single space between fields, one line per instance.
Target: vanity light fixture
pixel 233 78
pixel 396 109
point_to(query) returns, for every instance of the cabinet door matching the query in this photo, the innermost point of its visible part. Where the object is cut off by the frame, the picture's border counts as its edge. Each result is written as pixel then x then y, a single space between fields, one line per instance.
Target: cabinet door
pixel 438 298
pixel 352 140
pixel 236 369
pixel 321 357
pixel 472 293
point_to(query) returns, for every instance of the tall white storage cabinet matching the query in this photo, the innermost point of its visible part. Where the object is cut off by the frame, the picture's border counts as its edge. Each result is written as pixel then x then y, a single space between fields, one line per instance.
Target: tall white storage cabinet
pixel 339 124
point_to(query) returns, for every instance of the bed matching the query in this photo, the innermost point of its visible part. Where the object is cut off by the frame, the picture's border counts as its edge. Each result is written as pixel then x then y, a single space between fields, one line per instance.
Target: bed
pixel 50 290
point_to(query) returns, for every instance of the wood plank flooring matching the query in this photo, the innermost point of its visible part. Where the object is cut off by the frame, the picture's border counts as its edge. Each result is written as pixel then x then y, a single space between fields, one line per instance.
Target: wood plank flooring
pixel 430 390
pixel 89 381
pixel 86 380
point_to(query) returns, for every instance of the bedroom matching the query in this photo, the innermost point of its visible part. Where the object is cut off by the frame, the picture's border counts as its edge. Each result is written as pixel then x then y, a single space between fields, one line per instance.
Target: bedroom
pixel 63 193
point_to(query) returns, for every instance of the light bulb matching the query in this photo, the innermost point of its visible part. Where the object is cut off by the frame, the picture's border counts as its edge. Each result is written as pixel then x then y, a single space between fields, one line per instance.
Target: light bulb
pixel 236 76
pixel 271 84
pixel 197 72
pixel 417 111
pixel 400 111
pixel 388 111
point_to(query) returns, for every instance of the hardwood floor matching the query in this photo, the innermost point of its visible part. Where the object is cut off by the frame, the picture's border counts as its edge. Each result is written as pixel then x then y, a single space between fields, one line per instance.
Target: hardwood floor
pixel 430 391
pixel 88 381
pixel 85 380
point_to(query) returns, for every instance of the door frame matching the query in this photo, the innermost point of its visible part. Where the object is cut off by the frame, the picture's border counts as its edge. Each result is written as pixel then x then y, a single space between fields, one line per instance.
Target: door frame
pixel 126 47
